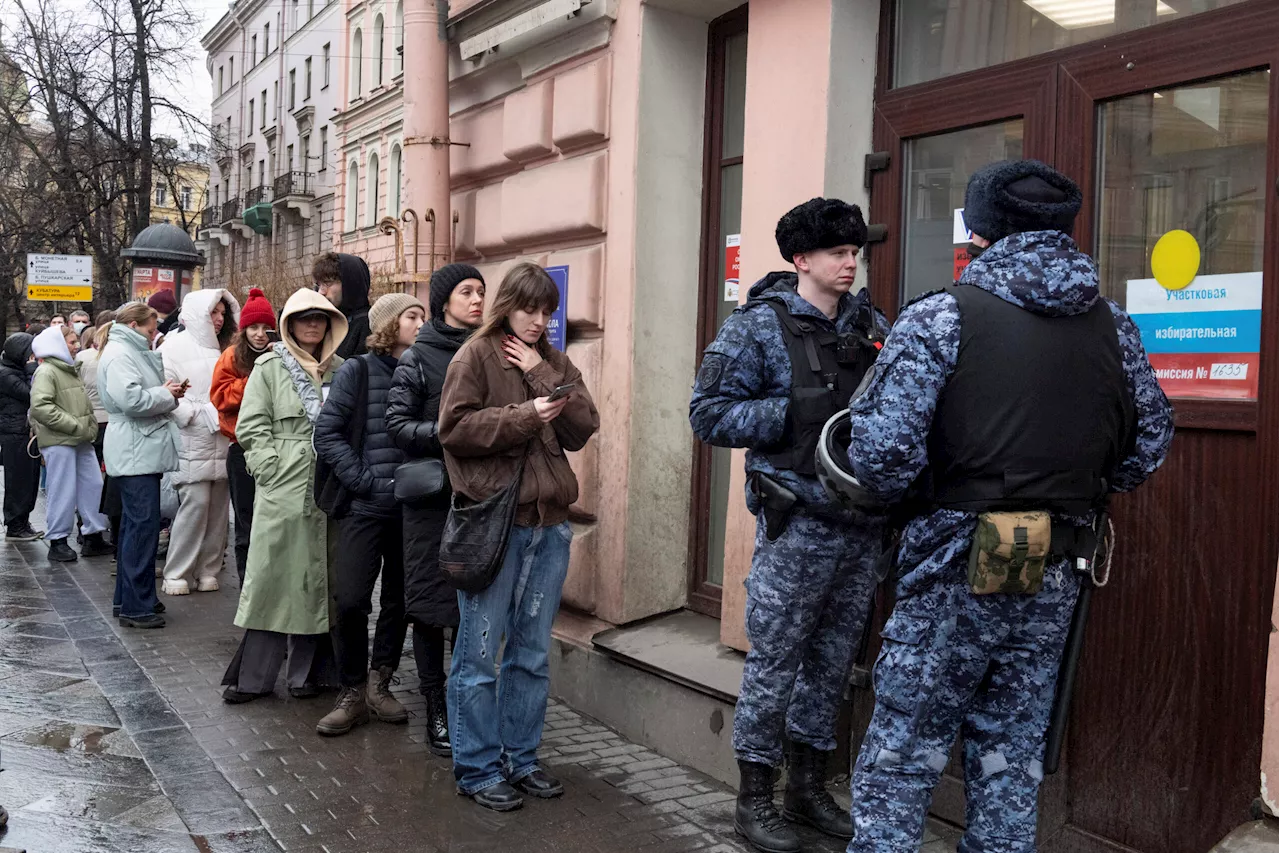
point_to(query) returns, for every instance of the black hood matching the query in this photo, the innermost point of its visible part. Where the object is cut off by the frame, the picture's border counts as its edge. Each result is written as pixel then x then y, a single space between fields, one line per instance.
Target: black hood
pixel 443 337
pixel 17 349
pixel 354 273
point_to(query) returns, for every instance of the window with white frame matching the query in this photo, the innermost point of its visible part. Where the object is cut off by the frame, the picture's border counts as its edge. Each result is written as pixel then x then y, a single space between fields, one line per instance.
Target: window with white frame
pixel 357 61
pixel 162 196
pixel 353 187
pixel 378 31
pixel 393 182
pixel 399 37
pixel 184 199
pixel 371 188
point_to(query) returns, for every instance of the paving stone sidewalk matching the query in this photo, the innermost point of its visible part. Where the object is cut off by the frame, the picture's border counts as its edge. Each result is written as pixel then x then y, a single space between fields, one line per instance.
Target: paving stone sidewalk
pixel 118 740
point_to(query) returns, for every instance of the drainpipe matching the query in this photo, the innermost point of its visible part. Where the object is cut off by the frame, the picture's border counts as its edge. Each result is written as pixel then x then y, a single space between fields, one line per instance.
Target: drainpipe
pixel 425 153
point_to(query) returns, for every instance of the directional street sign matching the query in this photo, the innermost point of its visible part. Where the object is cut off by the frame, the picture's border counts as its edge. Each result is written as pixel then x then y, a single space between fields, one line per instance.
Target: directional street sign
pixel 60 278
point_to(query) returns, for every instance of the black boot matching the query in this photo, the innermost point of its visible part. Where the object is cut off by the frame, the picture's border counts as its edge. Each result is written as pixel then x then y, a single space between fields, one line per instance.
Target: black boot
pixel 60 551
pixel 95 545
pixel 807 800
pixel 756 818
pixel 437 722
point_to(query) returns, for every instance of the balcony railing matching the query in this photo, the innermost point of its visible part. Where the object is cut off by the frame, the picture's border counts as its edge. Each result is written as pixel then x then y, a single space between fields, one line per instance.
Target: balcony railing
pixel 206 217
pixel 257 195
pixel 231 209
pixel 294 183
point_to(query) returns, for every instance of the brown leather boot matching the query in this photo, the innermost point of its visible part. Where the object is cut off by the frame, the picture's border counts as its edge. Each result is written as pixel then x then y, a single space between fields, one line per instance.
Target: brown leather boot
pixel 378 697
pixel 350 711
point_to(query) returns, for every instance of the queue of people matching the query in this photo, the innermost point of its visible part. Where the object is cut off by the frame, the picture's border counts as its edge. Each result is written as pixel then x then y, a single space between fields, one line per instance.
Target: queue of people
pixel 338 420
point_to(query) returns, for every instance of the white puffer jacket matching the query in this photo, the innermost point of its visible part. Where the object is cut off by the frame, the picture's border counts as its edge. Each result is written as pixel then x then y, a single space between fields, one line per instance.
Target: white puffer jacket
pixel 190 355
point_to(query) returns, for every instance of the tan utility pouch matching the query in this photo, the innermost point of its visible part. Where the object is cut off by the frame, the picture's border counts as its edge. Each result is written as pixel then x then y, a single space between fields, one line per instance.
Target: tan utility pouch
pixel 1009 552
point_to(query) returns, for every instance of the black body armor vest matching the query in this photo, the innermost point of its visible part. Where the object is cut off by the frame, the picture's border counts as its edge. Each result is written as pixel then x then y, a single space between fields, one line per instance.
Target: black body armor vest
pixel 1038 413
pixel 826 368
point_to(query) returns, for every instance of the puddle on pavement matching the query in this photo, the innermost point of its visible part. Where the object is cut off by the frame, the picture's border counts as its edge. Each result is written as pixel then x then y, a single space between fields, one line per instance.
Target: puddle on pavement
pixel 79 738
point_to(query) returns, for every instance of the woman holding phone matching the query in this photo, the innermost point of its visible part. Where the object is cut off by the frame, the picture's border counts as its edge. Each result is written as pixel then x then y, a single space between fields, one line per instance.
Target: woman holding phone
pixel 496 420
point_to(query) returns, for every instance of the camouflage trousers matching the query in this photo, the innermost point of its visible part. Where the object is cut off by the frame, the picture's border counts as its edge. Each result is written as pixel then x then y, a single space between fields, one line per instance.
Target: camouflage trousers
pixel 984 667
pixel 807 599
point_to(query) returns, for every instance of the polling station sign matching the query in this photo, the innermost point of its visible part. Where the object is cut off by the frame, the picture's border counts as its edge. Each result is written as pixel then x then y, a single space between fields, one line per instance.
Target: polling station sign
pixel 1203 340
pixel 558 325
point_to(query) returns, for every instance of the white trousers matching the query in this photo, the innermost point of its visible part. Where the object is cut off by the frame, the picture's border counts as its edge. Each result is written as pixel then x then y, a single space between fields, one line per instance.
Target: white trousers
pixel 73 481
pixel 198 536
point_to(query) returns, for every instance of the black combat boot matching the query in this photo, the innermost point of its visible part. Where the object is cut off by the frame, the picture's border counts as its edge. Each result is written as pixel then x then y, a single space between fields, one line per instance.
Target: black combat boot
pixel 756 817
pixel 437 722
pixel 60 551
pixel 807 800
pixel 95 545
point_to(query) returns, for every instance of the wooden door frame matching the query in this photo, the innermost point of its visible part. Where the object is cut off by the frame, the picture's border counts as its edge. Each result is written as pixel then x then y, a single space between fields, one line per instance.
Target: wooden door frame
pixel 1057 94
pixel 705 597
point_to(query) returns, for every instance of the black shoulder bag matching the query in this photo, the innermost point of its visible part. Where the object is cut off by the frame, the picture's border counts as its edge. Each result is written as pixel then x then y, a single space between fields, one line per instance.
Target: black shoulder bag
pixel 420 480
pixel 474 543
pixel 333 498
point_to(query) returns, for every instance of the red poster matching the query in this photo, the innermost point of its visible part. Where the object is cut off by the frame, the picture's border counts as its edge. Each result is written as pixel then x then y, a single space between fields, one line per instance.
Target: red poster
pixel 147 282
pixel 959 260
pixel 1217 375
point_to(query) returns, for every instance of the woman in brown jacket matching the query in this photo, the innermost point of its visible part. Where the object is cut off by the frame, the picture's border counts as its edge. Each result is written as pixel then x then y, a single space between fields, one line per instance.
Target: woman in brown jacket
pixel 495 411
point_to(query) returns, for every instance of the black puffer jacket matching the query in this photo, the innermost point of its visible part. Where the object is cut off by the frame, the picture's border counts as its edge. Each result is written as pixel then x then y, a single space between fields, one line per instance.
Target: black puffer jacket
pixel 412 410
pixel 368 471
pixel 15 386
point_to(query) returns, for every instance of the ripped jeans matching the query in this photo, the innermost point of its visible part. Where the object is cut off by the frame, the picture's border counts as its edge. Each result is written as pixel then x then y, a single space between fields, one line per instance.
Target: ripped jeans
pixel 495 718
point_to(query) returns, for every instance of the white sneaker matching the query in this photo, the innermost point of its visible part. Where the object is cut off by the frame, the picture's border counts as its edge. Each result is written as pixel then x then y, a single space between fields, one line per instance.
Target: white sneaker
pixel 207 585
pixel 178 587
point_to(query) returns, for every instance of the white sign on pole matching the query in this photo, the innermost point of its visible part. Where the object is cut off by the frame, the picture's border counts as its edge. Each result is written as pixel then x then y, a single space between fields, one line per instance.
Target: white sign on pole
pixel 60 277
pixel 960 232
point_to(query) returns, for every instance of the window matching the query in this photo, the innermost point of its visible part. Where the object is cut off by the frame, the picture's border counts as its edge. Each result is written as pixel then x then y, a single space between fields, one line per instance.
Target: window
pixel 221 86
pixel 288 152
pixel 324 148
pixel 162 197
pixel 184 199
pixel 275 94
pixel 399 37
pixel 306 80
pixel 262 172
pixel 262 121
pixel 231 70
pixel 227 139
pixel 293 87
pixel 311 9
pixel 252 112
pixel 371 203
pixel 353 187
pixel 357 60
pixel 393 183
pixel 305 154
pixel 297 22
pixel 253 51
pixel 266 40
pixel 378 28
pixel 325 78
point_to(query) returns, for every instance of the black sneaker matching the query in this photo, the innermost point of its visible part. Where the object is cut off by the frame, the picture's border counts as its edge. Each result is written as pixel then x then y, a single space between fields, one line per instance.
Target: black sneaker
pixel 60 551
pixel 306 691
pixel 22 533
pixel 155 620
pixel 235 697
pixel 95 545
pixel 115 609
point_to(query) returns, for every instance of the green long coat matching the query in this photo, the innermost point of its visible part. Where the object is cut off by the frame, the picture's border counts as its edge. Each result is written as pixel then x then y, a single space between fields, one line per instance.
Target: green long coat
pixel 288 575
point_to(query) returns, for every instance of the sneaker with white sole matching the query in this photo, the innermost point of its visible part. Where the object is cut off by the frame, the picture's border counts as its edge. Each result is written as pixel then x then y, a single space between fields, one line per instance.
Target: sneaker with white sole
pixel 178 587
pixel 207 585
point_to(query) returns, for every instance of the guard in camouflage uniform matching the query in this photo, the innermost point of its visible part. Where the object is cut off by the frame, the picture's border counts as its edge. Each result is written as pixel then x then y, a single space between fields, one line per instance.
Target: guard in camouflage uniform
pixel 781 365
pixel 1020 390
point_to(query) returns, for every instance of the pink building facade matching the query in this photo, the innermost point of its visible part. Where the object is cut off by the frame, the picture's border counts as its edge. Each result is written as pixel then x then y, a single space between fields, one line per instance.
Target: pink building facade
pixel 651 146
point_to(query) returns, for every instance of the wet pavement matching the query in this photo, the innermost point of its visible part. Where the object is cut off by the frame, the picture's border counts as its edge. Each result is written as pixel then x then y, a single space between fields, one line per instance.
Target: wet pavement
pixel 118 740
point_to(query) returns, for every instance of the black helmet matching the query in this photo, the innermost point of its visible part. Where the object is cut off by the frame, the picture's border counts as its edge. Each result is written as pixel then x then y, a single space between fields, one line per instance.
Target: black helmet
pixel 832 463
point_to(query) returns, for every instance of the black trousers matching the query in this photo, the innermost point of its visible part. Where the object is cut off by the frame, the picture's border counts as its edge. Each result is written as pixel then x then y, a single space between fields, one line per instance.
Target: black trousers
pixel 21 481
pixel 242 489
pixel 428 655
pixel 368 547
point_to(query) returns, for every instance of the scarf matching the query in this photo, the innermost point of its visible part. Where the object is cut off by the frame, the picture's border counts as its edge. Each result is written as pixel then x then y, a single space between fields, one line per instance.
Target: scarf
pixel 458 336
pixel 302 382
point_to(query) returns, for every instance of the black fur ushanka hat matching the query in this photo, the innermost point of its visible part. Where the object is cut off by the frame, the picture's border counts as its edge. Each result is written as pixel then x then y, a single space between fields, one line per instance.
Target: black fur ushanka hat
pixel 820 223
pixel 1013 196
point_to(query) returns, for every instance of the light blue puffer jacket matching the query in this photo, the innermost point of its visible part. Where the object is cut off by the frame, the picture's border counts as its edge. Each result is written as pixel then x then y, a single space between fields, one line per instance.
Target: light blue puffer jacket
pixel 141 436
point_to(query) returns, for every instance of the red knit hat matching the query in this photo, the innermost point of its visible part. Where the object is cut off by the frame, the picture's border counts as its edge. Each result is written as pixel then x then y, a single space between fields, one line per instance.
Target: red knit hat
pixel 257 310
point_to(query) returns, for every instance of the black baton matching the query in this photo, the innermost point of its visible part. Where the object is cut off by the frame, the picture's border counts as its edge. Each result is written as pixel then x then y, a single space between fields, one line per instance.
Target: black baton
pixel 1066 678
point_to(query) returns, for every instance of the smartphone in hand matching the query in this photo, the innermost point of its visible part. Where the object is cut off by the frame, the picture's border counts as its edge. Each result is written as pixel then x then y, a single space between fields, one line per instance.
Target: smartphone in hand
pixel 561 392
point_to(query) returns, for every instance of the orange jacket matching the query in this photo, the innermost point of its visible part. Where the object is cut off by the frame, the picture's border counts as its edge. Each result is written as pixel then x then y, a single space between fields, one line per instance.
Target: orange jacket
pixel 227 391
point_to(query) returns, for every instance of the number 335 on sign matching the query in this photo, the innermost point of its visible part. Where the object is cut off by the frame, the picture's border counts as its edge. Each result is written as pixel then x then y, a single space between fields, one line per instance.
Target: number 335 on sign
pixel 1229 371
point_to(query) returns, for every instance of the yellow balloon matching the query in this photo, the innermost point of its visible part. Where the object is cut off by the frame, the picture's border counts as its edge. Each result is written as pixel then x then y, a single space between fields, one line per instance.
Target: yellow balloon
pixel 1175 260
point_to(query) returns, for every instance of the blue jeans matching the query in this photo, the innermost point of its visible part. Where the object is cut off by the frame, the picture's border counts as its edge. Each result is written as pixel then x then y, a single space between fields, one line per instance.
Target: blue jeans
pixel 496 722
pixel 136 551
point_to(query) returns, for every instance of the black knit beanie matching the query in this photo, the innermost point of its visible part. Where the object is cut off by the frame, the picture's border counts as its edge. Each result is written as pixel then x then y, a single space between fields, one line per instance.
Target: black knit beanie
pixel 820 223
pixel 444 280
pixel 1013 196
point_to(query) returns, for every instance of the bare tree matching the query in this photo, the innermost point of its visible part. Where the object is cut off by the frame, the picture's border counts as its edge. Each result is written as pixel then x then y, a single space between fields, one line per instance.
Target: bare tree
pixel 81 121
